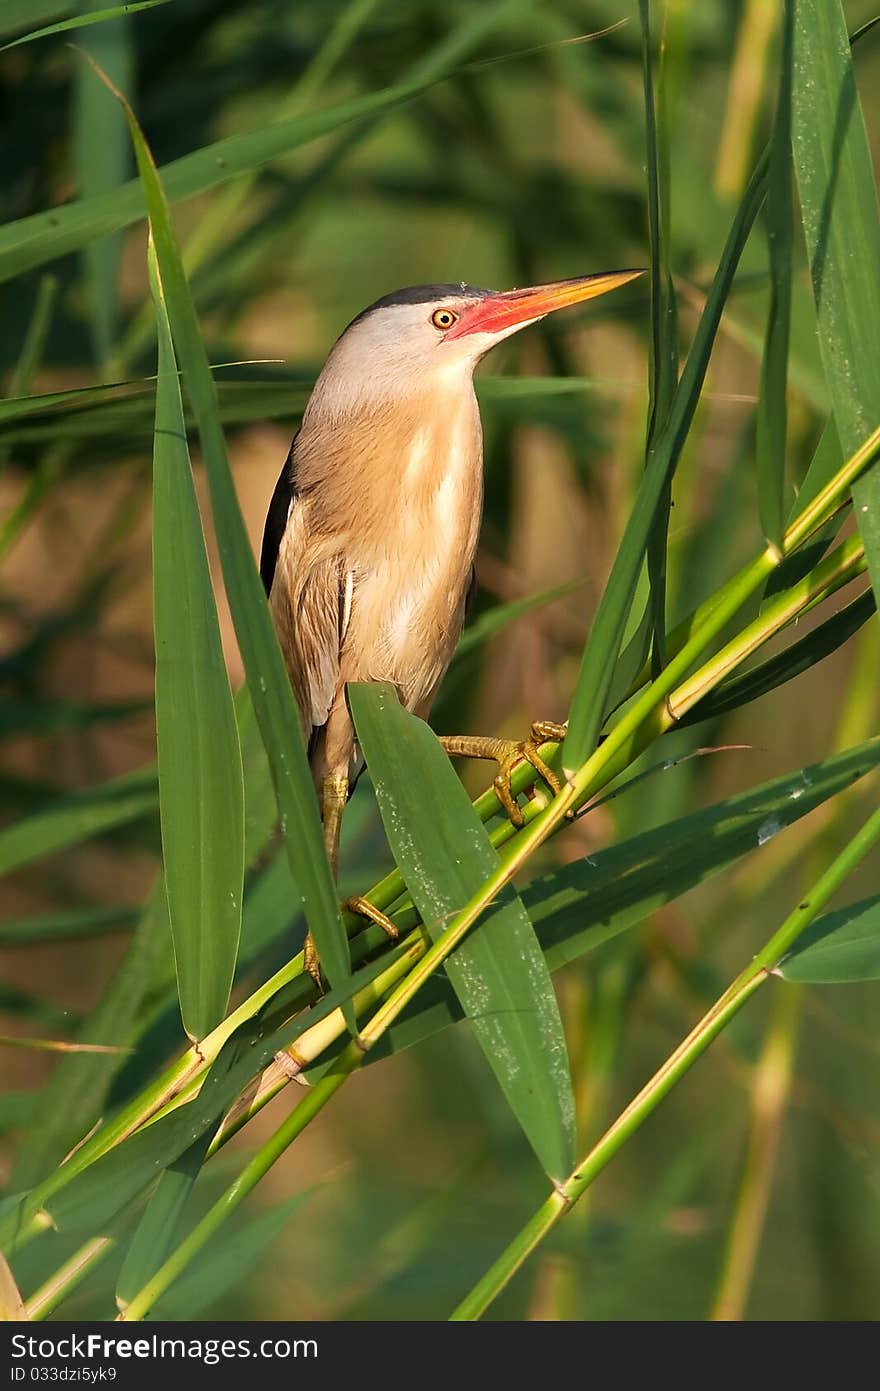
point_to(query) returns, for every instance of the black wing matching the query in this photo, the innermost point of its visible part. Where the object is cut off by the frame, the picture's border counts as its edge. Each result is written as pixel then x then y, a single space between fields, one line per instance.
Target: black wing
pixel 276 520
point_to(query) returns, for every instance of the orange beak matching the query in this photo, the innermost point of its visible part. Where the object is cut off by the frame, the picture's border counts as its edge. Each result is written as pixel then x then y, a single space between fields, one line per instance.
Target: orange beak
pixel 503 312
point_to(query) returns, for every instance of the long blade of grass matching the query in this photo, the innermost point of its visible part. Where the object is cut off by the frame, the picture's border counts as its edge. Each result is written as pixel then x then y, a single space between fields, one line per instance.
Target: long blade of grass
pixel 18 14
pixel 160 1221
pixel 88 419
pixel 772 405
pixel 663 360
pixel 841 220
pixel 34 341
pixel 227 1261
pixel 102 159
pixel 603 646
pixel 201 789
pixel 79 21
pixel 64 927
pixel 78 817
pixel 271 693
pixel 498 973
pixel 55 1045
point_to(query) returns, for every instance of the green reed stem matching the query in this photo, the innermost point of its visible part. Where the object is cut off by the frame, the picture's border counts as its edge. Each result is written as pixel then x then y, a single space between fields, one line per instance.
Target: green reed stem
pixel 677 1064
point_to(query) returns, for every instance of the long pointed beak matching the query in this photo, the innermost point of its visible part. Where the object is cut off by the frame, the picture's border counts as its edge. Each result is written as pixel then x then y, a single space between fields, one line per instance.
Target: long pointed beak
pixel 503 313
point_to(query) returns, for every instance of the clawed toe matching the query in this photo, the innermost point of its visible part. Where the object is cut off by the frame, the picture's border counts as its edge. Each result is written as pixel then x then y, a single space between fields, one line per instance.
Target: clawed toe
pixel 364 909
pixel 508 754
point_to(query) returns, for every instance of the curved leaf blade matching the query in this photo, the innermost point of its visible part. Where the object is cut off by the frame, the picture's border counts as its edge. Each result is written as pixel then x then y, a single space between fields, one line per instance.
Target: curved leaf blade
pixel 663 362
pixel 841 219
pixel 160 1221
pixel 78 817
pixel 270 690
pixel 606 635
pixel 498 972
pixel 201 787
pixel 772 405
pixel 82 20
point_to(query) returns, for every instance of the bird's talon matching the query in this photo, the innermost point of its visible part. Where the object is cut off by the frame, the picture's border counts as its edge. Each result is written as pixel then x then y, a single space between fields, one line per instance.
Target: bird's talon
pixel 530 753
pixel 504 793
pixel 365 909
pixel 311 965
pixel 507 753
pixel 547 731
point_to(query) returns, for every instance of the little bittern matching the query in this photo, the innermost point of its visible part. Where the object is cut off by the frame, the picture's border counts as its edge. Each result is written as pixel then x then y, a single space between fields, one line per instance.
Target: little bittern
pixel 368 549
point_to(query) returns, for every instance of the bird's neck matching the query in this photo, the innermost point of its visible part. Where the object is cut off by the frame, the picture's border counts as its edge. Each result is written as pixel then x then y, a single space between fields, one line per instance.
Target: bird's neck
pixel 395 465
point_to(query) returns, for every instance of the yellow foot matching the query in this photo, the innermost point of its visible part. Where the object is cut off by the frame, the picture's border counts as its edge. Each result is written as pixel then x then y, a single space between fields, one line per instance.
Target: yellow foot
pixel 364 909
pixel 508 753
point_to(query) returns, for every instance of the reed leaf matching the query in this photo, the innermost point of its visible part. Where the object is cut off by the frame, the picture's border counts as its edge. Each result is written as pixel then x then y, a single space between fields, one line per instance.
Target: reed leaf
pixel 841 220
pixel 274 704
pixel 498 972
pixel 201 790
pixel 80 21
pixel 772 404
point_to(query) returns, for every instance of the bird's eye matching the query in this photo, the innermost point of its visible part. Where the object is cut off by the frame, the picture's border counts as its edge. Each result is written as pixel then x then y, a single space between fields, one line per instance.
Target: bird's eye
pixel 443 318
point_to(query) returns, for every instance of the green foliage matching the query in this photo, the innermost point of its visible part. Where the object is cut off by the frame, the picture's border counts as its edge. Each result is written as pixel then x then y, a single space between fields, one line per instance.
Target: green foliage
pixel 773 406
pixel 841 218
pixel 270 690
pixel 201 793
pixel 498 973
pixel 295 162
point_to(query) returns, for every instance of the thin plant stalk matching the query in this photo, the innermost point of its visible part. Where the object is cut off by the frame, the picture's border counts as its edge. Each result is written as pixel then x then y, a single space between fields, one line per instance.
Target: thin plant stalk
pixel 773 1074
pixel 45 1300
pixel 745 95
pixel 768 1099
pixel 567 1193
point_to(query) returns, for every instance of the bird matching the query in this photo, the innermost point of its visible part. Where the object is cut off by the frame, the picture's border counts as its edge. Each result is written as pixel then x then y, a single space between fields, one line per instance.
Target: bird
pixel 368 550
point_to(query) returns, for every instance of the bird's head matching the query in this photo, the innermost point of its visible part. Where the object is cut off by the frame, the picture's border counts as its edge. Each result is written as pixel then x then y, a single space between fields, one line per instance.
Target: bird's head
pixel 410 340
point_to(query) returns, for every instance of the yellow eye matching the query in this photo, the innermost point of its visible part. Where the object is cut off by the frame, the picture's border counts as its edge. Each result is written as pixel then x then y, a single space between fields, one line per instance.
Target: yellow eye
pixel 443 318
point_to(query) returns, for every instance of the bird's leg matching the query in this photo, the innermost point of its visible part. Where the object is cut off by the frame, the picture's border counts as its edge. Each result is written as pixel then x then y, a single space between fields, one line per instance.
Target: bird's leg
pixel 507 753
pixel 334 795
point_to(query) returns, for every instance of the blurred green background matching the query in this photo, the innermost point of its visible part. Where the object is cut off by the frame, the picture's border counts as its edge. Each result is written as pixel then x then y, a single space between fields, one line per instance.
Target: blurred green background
pixel 526 164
